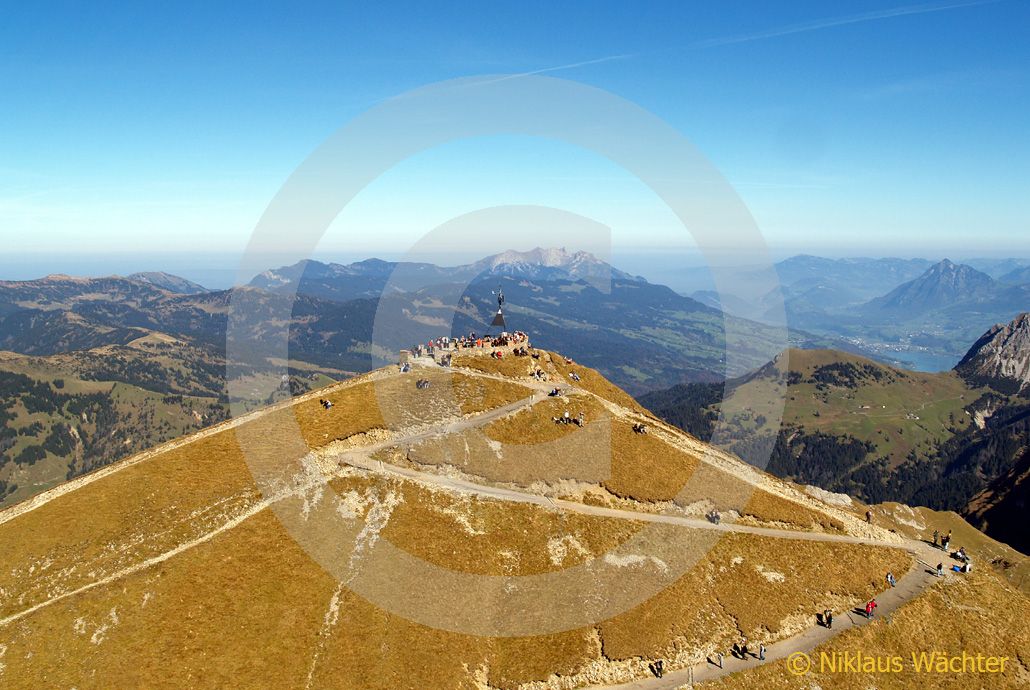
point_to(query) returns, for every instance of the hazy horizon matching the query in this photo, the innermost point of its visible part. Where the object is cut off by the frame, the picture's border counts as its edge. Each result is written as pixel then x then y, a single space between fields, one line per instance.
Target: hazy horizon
pixel 219 271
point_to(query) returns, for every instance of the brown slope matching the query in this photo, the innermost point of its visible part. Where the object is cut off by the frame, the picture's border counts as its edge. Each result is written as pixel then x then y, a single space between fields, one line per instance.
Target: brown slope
pixel 172 570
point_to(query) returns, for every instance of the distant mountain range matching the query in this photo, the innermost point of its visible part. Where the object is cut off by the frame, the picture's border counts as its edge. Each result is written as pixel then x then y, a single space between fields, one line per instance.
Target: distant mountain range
pixel 642 335
pixel 371 277
pixel 901 310
pixel 814 283
pixel 638 333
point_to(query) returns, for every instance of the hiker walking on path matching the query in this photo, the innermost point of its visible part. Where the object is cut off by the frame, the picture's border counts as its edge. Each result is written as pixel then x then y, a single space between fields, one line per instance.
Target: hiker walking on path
pixel 936 537
pixel 761 651
pixel 940 570
pixel 828 619
pixel 659 668
pixel 890 579
pixel 743 648
pixel 870 607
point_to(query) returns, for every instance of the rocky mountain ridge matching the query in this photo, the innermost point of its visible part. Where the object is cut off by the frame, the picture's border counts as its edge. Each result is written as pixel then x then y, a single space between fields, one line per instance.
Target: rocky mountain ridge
pixel 1001 357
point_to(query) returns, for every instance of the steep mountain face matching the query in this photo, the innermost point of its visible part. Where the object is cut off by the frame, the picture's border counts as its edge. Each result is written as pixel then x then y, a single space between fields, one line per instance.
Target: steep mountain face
pixel 1000 510
pixel 941 286
pixel 1001 358
pixel 169 282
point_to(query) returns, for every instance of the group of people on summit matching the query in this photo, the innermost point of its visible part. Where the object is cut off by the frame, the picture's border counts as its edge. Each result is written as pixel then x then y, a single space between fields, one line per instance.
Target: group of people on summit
pixel 470 341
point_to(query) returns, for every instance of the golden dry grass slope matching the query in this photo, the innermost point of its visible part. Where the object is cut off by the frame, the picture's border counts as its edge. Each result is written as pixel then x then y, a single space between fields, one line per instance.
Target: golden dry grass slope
pixel 252 555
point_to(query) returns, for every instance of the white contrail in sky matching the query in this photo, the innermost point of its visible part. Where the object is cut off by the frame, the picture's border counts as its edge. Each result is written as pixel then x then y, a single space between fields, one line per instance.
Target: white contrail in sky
pixel 556 68
pixel 829 22
pixel 519 75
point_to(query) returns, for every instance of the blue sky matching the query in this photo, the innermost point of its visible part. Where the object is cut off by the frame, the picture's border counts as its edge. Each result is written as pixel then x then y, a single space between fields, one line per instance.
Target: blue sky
pixel 863 129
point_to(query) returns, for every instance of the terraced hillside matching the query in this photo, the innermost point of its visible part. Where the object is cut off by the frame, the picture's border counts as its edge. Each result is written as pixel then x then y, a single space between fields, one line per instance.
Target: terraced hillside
pixel 449 536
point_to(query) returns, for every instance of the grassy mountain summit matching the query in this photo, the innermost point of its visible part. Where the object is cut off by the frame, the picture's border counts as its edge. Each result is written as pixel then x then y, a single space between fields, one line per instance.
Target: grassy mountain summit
pixel 830 390
pixel 187 573
pixel 953 440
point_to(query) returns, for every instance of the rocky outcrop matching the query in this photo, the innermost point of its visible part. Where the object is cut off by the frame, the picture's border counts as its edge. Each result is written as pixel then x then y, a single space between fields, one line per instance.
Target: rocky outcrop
pixel 1001 358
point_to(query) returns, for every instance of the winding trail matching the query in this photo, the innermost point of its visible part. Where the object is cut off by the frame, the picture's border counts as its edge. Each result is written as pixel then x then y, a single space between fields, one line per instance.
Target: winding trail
pixel 359 460
pixel 916 581
pixel 910 585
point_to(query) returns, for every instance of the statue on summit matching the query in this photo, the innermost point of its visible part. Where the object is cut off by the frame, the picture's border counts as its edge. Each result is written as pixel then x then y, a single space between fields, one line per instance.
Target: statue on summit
pixel 499 317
